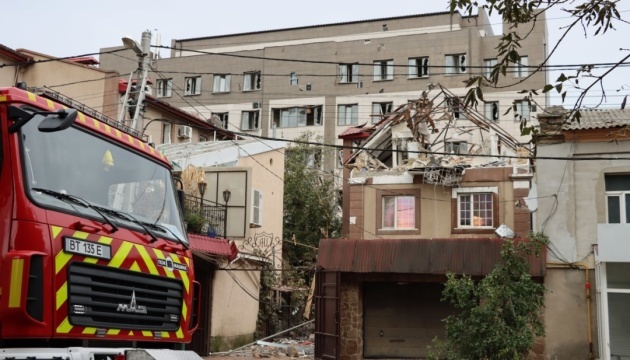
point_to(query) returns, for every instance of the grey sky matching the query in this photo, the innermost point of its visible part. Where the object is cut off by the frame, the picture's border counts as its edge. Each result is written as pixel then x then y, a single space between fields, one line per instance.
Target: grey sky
pixel 66 27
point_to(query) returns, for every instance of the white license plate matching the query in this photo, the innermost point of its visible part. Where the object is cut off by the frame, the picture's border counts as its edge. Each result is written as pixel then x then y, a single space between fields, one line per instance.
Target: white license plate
pixel 87 248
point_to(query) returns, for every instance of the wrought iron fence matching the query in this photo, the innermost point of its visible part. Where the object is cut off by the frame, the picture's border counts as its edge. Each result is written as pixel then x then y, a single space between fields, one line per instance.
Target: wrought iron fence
pixel 209 220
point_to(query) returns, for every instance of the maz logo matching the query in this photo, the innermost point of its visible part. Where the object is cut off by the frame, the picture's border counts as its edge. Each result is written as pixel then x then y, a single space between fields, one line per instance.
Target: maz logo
pixel 132 307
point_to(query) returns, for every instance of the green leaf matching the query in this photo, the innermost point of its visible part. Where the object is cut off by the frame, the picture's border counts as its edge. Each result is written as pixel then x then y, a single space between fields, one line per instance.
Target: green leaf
pixel 564 94
pixel 559 88
pixel 561 78
pixel 547 88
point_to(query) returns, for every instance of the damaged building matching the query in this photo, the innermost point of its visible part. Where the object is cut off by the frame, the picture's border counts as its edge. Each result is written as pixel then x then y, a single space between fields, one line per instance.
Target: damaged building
pixel 429 189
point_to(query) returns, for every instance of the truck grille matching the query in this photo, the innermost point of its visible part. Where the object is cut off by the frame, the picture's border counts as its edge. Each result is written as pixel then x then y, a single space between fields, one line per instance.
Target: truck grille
pixel 100 296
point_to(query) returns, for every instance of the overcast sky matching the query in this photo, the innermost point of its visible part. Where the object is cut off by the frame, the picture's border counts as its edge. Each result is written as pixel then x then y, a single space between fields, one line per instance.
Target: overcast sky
pixel 66 28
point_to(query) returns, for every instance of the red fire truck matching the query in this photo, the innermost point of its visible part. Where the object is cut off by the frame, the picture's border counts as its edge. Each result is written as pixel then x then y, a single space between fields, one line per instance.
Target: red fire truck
pixel 93 247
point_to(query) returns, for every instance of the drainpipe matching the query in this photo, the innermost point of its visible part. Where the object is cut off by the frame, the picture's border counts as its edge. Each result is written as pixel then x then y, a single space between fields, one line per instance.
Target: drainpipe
pixel 587 286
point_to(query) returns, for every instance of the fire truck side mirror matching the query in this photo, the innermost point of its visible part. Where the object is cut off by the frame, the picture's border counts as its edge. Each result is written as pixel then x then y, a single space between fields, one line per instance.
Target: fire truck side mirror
pixel 58 121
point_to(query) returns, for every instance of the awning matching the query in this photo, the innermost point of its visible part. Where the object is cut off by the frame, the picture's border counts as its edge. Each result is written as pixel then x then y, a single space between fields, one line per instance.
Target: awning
pixel 470 256
pixel 208 245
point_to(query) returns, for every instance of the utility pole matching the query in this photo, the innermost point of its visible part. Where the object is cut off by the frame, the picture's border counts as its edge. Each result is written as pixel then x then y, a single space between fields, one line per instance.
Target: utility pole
pixel 134 96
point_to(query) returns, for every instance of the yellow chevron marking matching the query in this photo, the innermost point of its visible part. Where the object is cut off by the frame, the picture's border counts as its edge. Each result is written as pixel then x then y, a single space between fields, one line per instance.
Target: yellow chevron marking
pixel 3 98
pixel 118 134
pixel 62 295
pixel 31 96
pixel 105 240
pixel 113 331
pixel 187 260
pixel 147 333
pixel 165 335
pixel 135 267
pixel 179 333
pixel 108 129
pixel 130 333
pixel 160 255
pixel 182 274
pixel 64 327
pixel 141 144
pixel 121 255
pixel 80 235
pixel 130 139
pixel 81 117
pixel 50 104
pixel 61 260
pixel 148 261
pixel 55 231
pixel 90 260
pixel 184 311
pixel 152 151
pixel 15 289
pixel 89 330
pixel 97 124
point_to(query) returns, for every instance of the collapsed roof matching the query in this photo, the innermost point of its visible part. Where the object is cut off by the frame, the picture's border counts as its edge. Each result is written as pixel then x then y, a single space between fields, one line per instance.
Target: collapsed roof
pixel 436 136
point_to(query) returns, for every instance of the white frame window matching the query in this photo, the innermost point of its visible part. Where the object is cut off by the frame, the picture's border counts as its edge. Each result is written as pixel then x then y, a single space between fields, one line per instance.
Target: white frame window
pixel 379 109
pixel 383 70
pixel 224 117
pixel 617 198
pixel 488 64
pixel 456 64
pixel 250 120
pixel 347 114
pixel 192 85
pixel 522 110
pixel 491 110
pixel 397 211
pixel 221 83
pixel 251 81
pixel 347 73
pixel 458 147
pixel 164 88
pixel 298 116
pixel 475 210
pixel 166 133
pixel 521 68
pixel 293 79
pixel 419 67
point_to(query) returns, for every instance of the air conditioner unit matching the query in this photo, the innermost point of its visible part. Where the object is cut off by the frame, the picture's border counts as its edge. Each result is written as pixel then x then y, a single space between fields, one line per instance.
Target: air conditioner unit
pixel 256 218
pixel 256 105
pixel 185 132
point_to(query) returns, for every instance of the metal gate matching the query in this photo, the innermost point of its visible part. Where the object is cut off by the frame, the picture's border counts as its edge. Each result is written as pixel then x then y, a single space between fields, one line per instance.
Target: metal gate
pixel 327 318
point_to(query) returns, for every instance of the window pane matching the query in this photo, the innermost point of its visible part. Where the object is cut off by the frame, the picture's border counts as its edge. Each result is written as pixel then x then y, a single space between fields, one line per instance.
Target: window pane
pixel 618 275
pixel 389 202
pixel 617 182
pixel 627 205
pixel 405 212
pixel 464 210
pixel 619 324
pixel 614 210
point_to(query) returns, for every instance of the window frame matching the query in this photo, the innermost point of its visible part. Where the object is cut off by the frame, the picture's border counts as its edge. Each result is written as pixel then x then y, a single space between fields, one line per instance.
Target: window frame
pixel 622 195
pixel 293 79
pixel 256 119
pixel 456 194
pixel 489 116
pixel 377 118
pixel 349 72
pixel 314 110
pixel 521 68
pixel 354 116
pixel 387 66
pixel 216 86
pixel 196 85
pixel 254 83
pixel 420 70
pixel 454 67
pixel 224 117
pixel 488 65
pixel 382 193
pixel 521 105
pixel 167 134
pixel 164 92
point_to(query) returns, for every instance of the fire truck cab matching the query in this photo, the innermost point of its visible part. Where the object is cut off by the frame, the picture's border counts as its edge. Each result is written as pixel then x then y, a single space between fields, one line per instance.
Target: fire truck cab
pixel 93 249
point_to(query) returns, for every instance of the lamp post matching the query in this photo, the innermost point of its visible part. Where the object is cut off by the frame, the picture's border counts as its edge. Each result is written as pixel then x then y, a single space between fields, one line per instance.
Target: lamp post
pixel 202 185
pixel 143 52
pixel 226 197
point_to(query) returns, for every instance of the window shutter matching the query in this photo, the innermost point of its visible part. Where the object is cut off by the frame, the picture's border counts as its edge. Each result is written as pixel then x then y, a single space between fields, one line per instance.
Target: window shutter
pixel 257 208
pixel 523 66
pixel 390 70
pixel 413 68
pixel 247 78
pixel 354 76
pixel 217 83
pixel 450 64
pixel 244 121
pixel 342 76
pixel 377 71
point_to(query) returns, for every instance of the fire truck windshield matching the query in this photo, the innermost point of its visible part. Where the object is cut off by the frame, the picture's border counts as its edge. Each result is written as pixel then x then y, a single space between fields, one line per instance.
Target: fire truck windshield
pixel 110 176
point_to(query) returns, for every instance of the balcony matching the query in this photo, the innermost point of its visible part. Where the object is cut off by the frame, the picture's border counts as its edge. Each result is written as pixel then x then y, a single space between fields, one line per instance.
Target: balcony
pixel 207 219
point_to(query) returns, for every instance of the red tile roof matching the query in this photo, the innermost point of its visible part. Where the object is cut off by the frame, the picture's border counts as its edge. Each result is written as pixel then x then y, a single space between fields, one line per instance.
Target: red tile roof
pixel 85 60
pixel 356 132
pixel 210 245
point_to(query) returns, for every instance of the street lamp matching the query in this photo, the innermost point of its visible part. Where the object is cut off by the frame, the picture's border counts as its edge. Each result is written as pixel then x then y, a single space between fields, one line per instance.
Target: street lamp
pixel 133 101
pixel 226 198
pixel 202 185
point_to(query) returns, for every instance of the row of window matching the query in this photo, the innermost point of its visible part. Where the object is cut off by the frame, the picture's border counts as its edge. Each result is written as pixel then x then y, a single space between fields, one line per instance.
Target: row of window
pixel 474 211
pixel 418 67
pixel 348 114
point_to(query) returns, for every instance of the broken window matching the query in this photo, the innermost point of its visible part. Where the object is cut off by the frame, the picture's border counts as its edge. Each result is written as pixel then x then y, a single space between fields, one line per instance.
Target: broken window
pixel 399 212
pixel 488 64
pixel 521 68
pixel 383 70
pixel 192 85
pixel 521 110
pixel 379 109
pixel 293 79
pixel 491 109
pixel 164 87
pixel 617 198
pixel 348 114
pixel 475 210
pixel 221 83
pixel 251 81
pixel 249 120
pixel 348 73
pixel 297 116
pixel 166 133
pixel 418 67
pixel 456 64
pixel 455 106
pixel 223 117
pixel 456 147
